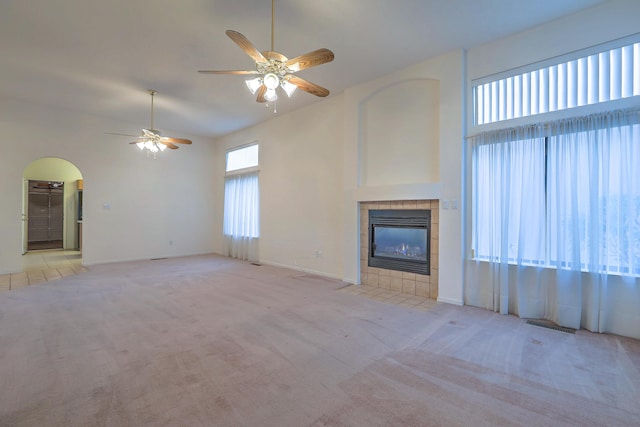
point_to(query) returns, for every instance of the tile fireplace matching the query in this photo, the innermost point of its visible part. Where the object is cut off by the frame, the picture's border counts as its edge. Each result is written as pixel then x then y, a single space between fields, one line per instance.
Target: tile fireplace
pixel 401 238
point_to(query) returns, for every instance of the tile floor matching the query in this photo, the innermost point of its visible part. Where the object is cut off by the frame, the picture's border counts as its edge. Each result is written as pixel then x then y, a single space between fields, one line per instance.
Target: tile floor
pixel 391 297
pixel 43 266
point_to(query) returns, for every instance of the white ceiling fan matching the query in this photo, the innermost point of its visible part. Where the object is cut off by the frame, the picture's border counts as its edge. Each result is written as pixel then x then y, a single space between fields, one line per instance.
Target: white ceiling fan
pixel 151 139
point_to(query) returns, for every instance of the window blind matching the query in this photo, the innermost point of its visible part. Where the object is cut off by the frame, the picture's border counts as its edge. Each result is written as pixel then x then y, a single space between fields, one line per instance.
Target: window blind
pixel 597 77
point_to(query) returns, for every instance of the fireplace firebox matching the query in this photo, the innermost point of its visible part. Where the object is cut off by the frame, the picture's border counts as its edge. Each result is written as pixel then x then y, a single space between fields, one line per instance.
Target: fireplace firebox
pixel 399 240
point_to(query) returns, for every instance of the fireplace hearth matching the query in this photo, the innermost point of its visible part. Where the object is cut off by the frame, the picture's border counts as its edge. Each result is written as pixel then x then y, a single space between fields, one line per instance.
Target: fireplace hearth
pixel 399 239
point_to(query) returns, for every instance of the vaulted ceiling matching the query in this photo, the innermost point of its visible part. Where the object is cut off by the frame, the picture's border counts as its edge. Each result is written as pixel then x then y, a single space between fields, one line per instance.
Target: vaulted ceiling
pixel 99 57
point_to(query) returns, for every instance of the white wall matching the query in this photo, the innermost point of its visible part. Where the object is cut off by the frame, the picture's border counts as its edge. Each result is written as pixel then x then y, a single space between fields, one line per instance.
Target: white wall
pixel 311 162
pixel 599 24
pixel 399 137
pixel 133 205
pixel 447 70
pixel 301 201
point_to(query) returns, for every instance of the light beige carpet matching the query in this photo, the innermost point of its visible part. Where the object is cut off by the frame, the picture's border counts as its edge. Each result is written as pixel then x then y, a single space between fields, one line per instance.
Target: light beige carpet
pixel 210 341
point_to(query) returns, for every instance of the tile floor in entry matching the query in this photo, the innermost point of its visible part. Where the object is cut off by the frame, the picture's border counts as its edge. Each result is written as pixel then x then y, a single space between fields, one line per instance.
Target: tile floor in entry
pixel 43 266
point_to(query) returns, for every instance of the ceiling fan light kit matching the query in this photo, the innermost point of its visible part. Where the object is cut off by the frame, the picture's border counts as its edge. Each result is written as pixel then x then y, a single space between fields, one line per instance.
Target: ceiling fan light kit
pixel 254 84
pixel 275 70
pixel 152 140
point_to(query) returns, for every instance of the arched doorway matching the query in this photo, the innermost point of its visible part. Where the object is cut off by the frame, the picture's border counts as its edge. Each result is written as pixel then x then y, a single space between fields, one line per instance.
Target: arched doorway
pixel 52 205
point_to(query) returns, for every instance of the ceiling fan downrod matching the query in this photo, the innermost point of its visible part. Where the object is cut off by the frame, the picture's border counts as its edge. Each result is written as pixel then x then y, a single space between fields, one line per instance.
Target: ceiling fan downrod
pixel 152 93
pixel 272 20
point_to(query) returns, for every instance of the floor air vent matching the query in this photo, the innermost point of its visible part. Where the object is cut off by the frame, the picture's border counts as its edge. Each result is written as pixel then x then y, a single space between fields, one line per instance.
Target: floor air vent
pixel 550 325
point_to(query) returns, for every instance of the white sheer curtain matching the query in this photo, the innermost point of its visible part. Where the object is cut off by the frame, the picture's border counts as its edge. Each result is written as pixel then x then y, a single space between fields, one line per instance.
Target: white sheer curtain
pixel 242 216
pixel 556 222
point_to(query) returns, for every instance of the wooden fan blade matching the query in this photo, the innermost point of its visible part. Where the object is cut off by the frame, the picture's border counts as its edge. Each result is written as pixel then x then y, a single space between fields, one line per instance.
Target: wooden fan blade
pixel 119 134
pixel 310 59
pixel 168 140
pixel 228 72
pixel 167 143
pixel 307 86
pixel 261 91
pixel 246 45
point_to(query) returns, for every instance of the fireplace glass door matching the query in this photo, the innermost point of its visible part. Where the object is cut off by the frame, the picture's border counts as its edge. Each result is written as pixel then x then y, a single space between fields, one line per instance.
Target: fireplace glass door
pixel 405 243
pixel 399 240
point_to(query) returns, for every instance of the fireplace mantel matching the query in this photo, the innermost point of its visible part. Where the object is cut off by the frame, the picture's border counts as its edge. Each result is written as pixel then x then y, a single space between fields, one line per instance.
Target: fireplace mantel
pixel 398 192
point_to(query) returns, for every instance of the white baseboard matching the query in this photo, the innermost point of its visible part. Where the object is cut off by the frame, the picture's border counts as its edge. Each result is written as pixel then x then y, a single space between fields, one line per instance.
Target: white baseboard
pixel 451 301
pixel 302 270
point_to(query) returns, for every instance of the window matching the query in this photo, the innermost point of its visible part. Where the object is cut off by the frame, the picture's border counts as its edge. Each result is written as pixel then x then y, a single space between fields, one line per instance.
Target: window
pixel 241 206
pixel 241 225
pixel 564 195
pixel 242 158
pixel 600 74
pixel 555 204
